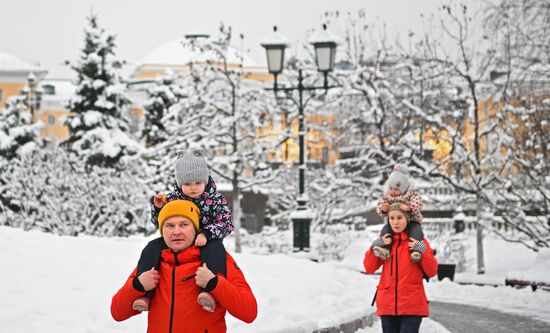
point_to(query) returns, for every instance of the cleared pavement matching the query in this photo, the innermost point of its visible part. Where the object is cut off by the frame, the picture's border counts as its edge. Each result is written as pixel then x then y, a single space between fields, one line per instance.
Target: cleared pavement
pixel 461 318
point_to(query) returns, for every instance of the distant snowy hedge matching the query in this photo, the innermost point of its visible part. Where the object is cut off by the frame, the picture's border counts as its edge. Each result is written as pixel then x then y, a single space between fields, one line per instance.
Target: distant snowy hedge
pixel 49 192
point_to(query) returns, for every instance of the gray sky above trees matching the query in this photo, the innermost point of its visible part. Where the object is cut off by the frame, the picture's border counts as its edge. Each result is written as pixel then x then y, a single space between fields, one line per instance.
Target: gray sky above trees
pixel 51 31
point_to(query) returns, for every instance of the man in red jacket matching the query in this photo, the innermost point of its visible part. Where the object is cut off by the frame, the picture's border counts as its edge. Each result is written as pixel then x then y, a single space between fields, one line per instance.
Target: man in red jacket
pixel 400 297
pixel 174 307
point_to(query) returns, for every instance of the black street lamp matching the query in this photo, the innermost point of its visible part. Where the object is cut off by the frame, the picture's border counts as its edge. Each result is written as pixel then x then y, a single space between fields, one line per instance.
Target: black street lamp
pixel 325 50
pixel 275 45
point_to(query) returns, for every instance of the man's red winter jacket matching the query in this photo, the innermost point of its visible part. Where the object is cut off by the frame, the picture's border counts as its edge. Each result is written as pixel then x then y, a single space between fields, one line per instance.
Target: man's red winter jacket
pixel 400 290
pixel 174 307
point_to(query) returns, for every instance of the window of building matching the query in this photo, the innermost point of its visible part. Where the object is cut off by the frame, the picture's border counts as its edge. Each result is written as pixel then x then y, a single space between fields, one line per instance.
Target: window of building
pixel 48 89
pixel 51 120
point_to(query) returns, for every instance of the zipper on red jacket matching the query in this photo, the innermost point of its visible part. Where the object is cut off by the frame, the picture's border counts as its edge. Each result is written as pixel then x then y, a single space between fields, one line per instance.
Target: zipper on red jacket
pixel 187 278
pixel 173 292
pixel 396 273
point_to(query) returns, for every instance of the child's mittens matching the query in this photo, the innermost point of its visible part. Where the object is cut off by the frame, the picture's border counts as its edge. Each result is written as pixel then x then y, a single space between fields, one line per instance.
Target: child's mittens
pixel 159 200
pixel 387 239
pixel 382 241
pixel 419 247
pixel 378 242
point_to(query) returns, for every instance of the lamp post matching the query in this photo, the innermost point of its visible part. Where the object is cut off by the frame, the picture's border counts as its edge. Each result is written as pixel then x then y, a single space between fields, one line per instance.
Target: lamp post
pixel 325 50
pixel 33 96
pixel 458 220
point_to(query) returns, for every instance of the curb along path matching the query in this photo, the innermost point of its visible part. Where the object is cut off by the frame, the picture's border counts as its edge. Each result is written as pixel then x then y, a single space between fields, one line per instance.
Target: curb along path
pixel 351 326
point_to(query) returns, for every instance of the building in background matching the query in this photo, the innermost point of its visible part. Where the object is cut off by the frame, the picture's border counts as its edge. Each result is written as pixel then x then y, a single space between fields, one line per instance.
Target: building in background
pixel 173 56
pixel 19 77
pixel 14 76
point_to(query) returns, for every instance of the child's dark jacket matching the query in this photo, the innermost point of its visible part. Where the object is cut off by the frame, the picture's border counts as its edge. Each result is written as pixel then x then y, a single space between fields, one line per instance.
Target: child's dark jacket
pixel 215 217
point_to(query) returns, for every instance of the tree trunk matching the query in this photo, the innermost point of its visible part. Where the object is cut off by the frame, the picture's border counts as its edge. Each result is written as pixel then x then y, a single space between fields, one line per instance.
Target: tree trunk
pixel 479 234
pixel 236 214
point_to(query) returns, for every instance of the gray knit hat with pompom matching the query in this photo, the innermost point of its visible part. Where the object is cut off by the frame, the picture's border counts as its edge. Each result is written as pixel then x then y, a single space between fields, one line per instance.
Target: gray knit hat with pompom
pixel 191 166
pixel 399 178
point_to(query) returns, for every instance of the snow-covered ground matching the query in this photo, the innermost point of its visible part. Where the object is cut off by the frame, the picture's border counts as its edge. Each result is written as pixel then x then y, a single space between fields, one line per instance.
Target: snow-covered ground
pixel 501 258
pixel 65 284
pixel 54 283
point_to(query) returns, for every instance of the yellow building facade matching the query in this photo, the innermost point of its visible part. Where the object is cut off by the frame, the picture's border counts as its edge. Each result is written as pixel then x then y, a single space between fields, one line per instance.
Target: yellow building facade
pixel 55 95
pixel 488 111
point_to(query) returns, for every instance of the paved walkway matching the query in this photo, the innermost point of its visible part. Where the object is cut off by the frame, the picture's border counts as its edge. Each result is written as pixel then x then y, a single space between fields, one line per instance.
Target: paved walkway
pixel 465 318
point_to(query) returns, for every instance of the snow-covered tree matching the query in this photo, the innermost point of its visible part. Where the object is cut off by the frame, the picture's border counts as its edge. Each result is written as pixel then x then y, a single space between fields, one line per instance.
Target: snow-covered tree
pixel 161 97
pixel 476 128
pixel 518 31
pixel 282 196
pixel 18 135
pixel 474 135
pixel 98 126
pixel 521 41
pixel 18 138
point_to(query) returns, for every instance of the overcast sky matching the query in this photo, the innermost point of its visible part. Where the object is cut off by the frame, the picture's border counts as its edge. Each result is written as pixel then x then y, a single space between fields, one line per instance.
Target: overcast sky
pixel 51 31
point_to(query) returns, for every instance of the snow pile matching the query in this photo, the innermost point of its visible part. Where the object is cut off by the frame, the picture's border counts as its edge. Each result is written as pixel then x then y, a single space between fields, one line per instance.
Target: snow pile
pixel 501 257
pixel 538 272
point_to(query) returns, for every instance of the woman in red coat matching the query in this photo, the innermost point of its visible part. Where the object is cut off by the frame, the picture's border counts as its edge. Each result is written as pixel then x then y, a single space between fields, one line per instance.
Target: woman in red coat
pixel 174 307
pixel 400 297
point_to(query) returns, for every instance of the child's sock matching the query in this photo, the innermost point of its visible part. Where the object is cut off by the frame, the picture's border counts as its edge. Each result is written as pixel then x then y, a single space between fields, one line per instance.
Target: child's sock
pixel 142 303
pixel 381 252
pixel 416 256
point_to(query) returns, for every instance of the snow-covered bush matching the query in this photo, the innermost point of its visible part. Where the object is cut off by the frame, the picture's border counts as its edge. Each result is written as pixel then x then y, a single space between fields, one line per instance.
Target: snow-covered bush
pixel 270 240
pixel 49 192
pixel 451 249
pixel 331 244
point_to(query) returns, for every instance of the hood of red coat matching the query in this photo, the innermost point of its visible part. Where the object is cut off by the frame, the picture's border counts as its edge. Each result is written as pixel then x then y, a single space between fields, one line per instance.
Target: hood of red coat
pixel 189 254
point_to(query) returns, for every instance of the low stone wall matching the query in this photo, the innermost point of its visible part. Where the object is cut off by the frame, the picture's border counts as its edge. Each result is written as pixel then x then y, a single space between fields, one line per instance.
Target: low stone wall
pixel 350 327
